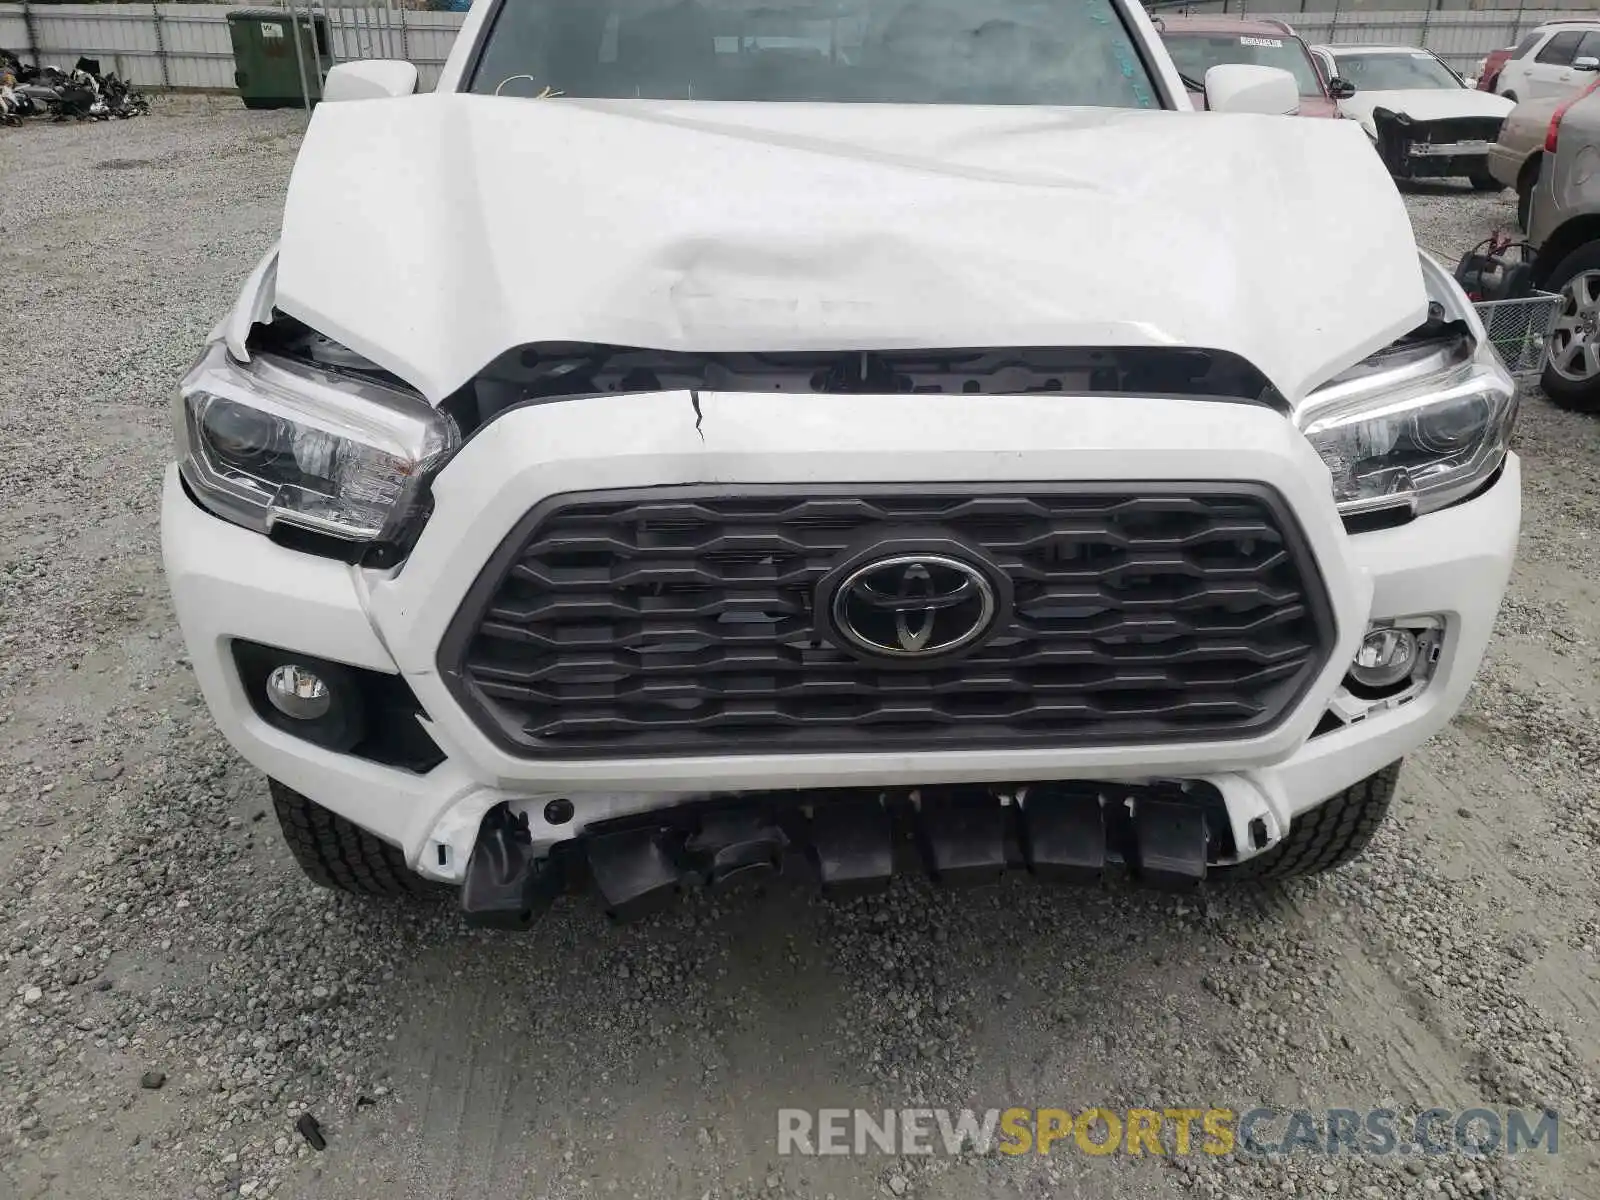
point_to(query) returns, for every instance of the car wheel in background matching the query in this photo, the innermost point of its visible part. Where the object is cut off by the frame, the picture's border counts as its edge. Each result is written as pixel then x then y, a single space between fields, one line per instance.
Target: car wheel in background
pixel 1482 181
pixel 1571 375
pixel 1512 96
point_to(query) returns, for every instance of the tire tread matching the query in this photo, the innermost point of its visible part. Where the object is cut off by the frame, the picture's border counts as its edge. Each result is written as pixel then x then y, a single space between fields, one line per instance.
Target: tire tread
pixel 1327 836
pixel 336 853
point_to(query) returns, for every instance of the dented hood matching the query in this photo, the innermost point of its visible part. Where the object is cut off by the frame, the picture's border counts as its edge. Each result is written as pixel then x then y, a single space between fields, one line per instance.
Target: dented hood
pixel 433 233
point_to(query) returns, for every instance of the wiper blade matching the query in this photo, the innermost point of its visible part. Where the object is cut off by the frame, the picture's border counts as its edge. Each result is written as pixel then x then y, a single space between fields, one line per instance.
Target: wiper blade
pixel 1190 84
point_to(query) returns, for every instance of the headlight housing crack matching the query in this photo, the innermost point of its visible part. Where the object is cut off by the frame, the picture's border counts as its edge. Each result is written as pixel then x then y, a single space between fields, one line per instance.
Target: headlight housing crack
pixel 279 441
pixel 1415 429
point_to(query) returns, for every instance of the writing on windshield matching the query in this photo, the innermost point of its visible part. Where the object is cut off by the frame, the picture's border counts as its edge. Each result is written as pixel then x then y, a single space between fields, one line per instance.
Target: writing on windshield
pixel 1197 53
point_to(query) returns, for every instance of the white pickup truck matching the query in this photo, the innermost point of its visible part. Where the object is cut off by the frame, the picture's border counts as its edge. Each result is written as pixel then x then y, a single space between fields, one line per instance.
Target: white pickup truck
pixel 700 440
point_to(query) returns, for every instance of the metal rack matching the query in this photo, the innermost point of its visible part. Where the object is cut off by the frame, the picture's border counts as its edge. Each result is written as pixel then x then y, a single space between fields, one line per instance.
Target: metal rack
pixel 1520 330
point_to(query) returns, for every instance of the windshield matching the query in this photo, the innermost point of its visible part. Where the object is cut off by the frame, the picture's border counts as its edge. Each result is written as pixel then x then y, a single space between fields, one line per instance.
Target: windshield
pixel 1394 72
pixel 1197 53
pixel 1066 52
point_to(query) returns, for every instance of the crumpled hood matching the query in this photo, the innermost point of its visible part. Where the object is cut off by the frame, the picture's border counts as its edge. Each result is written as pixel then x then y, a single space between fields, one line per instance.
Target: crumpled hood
pixel 1427 104
pixel 433 233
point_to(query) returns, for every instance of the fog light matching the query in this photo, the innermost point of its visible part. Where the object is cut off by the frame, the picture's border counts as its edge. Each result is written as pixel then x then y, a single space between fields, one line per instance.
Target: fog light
pixel 299 693
pixel 320 701
pixel 1386 657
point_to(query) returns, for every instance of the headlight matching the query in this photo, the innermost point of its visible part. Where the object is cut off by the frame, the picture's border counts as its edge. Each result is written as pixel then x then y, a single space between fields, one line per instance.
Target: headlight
pixel 1413 429
pixel 276 440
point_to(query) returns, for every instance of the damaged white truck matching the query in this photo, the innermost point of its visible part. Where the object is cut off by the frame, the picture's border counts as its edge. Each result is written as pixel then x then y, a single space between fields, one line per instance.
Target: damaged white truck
pixel 703 440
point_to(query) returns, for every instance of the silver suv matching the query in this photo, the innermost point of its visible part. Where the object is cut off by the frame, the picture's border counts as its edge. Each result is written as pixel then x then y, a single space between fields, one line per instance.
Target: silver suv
pixel 1565 226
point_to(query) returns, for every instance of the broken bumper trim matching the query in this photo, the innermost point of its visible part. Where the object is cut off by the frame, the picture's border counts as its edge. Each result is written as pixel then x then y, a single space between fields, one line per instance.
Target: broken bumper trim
pixel 852 842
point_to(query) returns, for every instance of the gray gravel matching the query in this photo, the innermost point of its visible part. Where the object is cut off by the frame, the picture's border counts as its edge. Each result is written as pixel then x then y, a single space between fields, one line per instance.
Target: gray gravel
pixel 174 997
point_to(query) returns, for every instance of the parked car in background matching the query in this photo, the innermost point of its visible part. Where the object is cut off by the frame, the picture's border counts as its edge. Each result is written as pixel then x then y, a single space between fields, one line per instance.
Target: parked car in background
pixel 1424 119
pixel 1564 226
pixel 1556 59
pixel 1489 68
pixel 1199 43
pixel 1515 157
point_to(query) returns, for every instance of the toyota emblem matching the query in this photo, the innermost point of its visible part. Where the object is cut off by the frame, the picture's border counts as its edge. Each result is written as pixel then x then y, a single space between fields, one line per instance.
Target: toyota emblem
pixel 914 606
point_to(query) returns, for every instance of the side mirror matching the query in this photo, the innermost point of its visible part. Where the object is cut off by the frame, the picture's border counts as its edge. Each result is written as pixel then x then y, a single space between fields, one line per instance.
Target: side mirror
pixel 1587 63
pixel 1341 89
pixel 1242 88
pixel 369 79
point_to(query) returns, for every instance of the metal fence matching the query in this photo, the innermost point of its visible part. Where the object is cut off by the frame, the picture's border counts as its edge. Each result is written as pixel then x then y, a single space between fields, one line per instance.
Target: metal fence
pixel 1356 8
pixel 188 46
pixel 1460 38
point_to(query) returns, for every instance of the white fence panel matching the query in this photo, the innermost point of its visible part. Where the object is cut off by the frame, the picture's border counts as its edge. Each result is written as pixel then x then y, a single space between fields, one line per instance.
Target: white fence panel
pixel 368 33
pixel 13 30
pixel 187 45
pixel 1460 38
pixel 195 38
pixel 430 36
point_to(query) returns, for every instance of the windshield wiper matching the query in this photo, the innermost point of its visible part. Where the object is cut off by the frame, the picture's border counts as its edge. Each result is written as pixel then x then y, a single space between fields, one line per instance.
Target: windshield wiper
pixel 1189 84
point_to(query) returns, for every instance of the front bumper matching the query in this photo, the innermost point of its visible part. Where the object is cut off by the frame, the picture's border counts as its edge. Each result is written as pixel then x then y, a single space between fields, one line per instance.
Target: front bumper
pixel 1444 161
pixel 1505 163
pixel 229 583
pixel 1433 149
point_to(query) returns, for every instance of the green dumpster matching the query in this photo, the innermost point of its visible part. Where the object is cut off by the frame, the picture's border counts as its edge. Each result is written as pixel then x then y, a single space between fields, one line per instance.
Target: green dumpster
pixel 267 66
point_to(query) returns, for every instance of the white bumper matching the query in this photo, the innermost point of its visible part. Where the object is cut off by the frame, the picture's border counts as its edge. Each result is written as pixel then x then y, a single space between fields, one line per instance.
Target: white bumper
pixel 230 583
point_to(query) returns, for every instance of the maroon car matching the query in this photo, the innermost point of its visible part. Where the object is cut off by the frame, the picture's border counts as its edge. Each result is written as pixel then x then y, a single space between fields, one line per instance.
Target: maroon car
pixel 1199 43
pixel 1489 68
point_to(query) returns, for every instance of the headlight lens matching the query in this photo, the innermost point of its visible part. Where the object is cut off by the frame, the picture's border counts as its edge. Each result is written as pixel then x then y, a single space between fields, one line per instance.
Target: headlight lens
pixel 277 440
pixel 1413 432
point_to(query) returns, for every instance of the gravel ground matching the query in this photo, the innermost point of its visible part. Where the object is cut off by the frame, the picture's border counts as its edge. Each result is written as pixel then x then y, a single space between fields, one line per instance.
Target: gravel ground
pixel 174 996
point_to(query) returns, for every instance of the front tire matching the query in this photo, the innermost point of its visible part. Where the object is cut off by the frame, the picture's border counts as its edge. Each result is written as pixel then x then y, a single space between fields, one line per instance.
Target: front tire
pixel 1571 375
pixel 1327 836
pixel 337 853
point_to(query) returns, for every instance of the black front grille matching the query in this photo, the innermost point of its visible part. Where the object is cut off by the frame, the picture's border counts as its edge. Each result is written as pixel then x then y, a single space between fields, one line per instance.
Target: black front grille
pixel 1449 130
pixel 680 621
